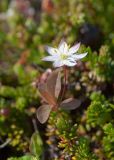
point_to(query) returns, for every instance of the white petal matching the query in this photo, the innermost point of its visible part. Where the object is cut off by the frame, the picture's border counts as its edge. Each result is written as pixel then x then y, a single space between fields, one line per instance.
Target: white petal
pixel 63 47
pixel 74 48
pixel 69 63
pixel 61 44
pixel 58 63
pixel 51 50
pixel 71 58
pixel 79 56
pixel 49 58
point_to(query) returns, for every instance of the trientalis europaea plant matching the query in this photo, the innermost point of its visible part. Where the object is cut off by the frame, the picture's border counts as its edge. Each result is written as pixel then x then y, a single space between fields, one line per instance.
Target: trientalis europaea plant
pixel 51 91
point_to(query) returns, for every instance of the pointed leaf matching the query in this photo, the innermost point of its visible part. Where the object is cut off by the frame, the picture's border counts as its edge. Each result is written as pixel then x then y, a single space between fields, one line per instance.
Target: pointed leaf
pixel 26 157
pixel 46 94
pixel 43 113
pixel 36 144
pixel 54 84
pixel 58 85
pixel 51 89
pixel 70 104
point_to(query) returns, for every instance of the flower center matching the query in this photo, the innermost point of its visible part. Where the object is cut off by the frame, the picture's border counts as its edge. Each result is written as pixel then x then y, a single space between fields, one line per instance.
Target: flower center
pixel 64 56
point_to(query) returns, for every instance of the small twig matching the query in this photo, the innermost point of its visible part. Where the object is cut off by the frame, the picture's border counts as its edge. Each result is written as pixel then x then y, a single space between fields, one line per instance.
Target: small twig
pixel 38 67
pixel 34 124
pixel 5 143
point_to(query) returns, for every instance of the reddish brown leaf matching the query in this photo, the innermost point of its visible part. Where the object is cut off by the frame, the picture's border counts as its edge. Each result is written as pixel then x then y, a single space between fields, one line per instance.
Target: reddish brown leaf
pixel 43 113
pixel 58 85
pixel 70 104
pixel 51 88
pixel 54 83
pixel 46 94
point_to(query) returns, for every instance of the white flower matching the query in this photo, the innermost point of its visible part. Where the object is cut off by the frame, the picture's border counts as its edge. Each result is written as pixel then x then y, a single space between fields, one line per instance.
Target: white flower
pixel 63 55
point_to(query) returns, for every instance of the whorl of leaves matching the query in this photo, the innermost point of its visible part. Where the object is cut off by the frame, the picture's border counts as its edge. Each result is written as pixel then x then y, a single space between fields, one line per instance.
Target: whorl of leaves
pixel 108 140
pixel 83 150
pixel 99 111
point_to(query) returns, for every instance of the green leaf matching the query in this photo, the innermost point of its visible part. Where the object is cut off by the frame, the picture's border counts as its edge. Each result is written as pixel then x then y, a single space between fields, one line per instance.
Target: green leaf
pixel 83 151
pixel 36 145
pixel 26 157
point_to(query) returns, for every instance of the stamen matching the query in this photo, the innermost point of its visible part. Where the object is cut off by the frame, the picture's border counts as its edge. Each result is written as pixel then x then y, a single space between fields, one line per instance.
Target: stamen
pixel 64 56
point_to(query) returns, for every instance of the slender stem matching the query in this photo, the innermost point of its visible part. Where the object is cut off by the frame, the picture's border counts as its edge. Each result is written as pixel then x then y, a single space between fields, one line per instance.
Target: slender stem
pixel 5 143
pixel 35 124
pixel 65 81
